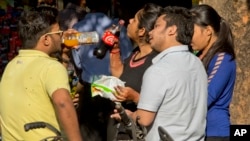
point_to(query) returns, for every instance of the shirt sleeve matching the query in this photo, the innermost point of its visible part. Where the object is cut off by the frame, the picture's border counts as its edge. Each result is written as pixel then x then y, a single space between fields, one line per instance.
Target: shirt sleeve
pixel 153 90
pixel 221 71
pixel 56 78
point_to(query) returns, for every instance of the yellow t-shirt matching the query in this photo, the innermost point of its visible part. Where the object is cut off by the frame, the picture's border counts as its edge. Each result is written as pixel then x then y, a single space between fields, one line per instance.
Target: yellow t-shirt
pixel 27 85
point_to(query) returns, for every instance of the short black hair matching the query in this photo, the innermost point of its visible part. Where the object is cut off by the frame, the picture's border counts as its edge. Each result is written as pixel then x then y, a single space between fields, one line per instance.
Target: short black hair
pixel 34 23
pixel 47 9
pixel 182 18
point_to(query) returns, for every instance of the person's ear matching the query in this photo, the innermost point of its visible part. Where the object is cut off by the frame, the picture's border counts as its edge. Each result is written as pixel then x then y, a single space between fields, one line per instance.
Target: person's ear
pixel 172 30
pixel 46 41
pixel 209 30
pixel 141 32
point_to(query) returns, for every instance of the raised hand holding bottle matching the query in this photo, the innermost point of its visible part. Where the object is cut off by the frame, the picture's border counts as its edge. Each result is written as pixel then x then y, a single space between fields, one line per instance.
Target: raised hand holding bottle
pixel 108 39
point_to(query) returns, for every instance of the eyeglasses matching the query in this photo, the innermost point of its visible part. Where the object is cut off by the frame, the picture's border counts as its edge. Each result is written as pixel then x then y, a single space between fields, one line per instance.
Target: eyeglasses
pixel 60 33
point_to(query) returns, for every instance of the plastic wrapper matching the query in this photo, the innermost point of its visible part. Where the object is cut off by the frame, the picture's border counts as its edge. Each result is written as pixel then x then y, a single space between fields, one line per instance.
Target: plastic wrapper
pixel 105 87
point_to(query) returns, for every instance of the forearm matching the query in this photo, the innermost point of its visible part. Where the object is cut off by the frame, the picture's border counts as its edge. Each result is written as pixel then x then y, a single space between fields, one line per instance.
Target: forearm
pixel 221 76
pixel 145 118
pixel 136 96
pixel 116 65
pixel 68 120
pixel 67 117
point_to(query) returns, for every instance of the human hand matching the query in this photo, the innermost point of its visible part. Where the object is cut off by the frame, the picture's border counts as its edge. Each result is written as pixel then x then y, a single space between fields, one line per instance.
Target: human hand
pixel 67 36
pixel 116 44
pixel 110 38
pixel 69 32
pixel 116 114
pixel 115 48
pixel 76 100
pixel 124 93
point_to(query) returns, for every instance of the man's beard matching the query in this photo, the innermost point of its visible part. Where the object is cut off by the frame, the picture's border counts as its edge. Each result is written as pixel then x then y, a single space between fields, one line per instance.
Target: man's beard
pixel 57 55
pixel 57 51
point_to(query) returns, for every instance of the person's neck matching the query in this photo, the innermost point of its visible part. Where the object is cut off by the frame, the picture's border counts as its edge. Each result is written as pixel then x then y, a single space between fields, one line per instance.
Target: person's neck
pixel 145 49
pixel 42 49
pixel 206 49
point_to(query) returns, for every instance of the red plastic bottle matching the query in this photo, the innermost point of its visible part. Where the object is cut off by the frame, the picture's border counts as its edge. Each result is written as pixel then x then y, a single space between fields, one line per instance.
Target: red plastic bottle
pixel 108 39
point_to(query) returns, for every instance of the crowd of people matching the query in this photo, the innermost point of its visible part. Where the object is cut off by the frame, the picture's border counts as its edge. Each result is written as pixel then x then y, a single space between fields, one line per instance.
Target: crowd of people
pixel 166 84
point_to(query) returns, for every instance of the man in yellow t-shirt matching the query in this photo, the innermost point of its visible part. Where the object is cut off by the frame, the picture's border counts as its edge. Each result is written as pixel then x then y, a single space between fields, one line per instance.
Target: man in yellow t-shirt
pixel 34 86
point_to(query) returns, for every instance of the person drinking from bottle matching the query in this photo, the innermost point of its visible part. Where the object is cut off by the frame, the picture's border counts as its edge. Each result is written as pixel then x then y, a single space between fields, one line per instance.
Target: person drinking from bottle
pixel 133 68
pixel 34 86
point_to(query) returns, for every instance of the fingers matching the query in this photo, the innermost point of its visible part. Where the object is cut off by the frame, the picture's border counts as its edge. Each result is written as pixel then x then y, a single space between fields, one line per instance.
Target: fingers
pixel 115 116
pixel 116 45
pixel 116 40
pixel 77 95
pixel 76 100
pixel 119 98
pixel 76 105
pixel 69 31
pixel 119 89
pixel 120 95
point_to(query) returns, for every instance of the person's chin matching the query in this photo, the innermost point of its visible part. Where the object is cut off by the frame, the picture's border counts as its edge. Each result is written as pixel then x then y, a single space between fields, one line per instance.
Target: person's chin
pixel 193 47
pixel 151 42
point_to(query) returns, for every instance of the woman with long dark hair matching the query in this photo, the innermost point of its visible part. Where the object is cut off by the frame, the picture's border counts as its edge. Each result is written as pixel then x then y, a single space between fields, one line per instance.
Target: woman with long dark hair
pixel 213 40
pixel 132 69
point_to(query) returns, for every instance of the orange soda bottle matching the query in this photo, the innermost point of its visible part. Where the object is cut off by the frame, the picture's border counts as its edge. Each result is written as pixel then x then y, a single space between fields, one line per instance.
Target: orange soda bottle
pixel 81 38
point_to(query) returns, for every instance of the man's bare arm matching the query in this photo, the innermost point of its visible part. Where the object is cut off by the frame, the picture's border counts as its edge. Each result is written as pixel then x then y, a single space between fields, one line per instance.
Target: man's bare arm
pixel 66 114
